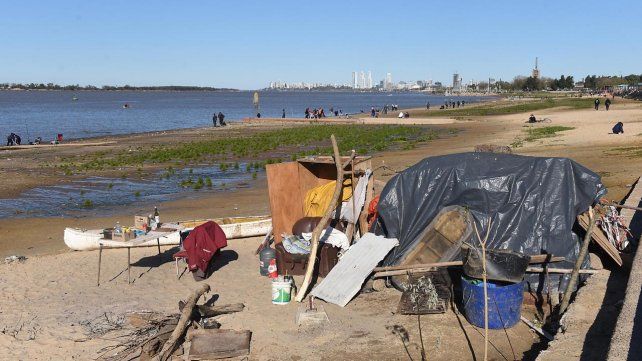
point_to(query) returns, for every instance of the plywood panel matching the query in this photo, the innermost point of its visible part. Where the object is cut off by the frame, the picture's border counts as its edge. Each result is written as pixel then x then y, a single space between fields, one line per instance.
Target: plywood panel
pixel 286 201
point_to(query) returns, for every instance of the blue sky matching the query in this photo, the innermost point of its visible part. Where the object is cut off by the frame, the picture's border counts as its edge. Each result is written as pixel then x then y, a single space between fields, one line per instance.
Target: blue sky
pixel 247 44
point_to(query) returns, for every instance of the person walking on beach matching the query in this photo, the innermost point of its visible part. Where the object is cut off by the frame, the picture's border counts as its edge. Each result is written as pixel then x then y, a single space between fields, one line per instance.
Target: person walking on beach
pixel 597 104
pixel 221 120
pixel 214 119
pixel 283 115
pixel 427 105
pixel 307 113
pixel 607 103
pixel 372 112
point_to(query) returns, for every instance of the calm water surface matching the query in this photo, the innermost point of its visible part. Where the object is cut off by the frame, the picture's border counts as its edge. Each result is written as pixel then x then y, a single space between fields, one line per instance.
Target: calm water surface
pixel 44 114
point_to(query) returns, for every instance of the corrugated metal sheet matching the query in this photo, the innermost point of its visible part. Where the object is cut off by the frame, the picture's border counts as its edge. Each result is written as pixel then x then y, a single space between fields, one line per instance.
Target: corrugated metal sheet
pixel 346 278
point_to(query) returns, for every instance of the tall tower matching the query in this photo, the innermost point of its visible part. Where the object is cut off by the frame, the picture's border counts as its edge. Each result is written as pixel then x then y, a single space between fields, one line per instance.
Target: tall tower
pixel 354 80
pixel 369 85
pixel 388 82
pixel 456 82
pixel 536 70
pixel 362 80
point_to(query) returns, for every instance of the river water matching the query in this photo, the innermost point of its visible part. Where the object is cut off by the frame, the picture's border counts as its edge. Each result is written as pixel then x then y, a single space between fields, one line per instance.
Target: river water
pixel 32 114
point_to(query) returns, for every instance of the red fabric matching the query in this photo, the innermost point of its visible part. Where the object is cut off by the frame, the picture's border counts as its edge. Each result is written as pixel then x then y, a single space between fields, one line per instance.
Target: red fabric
pixel 180 254
pixel 201 244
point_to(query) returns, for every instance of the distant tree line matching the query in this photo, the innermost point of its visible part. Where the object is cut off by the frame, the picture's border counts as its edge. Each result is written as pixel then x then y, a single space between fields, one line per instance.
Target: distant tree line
pixel 566 82
pixel 52 86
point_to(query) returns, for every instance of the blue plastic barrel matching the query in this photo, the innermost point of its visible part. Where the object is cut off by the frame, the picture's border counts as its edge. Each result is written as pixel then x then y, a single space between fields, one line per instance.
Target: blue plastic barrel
pixel 504 303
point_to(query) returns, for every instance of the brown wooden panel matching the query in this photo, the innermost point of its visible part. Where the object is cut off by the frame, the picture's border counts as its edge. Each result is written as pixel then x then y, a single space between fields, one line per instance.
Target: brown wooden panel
pixel 286 201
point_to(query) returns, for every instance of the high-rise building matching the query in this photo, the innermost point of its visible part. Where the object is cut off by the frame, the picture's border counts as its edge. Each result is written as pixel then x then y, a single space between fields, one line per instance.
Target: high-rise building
pixel 456 82
pixel 362 80
pixel 355 85
pixel 536 70
pixel 387 84
pixel 369 81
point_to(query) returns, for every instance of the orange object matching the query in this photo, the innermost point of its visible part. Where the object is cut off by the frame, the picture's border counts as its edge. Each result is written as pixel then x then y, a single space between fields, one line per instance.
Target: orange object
pixel 372 211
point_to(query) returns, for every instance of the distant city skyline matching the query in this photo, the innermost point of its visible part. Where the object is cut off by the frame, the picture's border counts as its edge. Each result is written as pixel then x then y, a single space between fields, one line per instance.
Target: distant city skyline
pixel 247 45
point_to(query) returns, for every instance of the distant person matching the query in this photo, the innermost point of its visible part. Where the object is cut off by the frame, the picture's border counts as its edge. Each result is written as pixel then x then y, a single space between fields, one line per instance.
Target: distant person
pixel 307 113
pixel 214 119
pixel 607 103
pixel 221 119
pixel 13 139
pixel 258 115
pixel 532 119
pixel 283 115
pixel 401 115
pixel 427 105
pixel 463 103
pixel 336 113
pixel 372 112
pixel 458 103
pixel 406 115
pixel 618 128
pixel 597 104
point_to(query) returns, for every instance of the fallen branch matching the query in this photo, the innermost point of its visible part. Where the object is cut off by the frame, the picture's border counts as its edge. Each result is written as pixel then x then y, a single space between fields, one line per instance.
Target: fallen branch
pixel 211 311
pixel 183 324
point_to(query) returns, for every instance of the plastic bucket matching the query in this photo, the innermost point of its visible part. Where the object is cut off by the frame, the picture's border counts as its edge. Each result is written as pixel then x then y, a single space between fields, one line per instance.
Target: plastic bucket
pixel 504 303
pixel 281 292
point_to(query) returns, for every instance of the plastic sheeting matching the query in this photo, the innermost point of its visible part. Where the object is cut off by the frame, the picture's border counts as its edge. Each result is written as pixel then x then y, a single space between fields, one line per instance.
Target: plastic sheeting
pixel 532 202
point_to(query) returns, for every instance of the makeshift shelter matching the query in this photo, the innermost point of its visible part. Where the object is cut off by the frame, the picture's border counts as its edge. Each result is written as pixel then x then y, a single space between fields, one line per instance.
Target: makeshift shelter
pixel 533 202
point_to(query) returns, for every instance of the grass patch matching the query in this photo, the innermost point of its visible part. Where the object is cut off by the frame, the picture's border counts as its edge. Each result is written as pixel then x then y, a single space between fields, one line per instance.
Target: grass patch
pixel 503 108
pixel 533 134
pixel 307 140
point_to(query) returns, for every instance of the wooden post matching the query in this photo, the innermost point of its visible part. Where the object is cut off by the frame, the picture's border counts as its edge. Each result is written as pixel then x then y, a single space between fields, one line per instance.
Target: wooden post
pixel 578 263
pixel 316 234
pixel 129 265
pixel 100 256
pixel 183 324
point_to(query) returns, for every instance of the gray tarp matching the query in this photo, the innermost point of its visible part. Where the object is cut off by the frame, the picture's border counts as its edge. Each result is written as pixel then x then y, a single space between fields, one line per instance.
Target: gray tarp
pixel 532 201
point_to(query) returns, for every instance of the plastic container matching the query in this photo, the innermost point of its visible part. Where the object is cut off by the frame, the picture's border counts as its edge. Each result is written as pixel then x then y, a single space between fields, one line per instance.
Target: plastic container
pixel 281 291
pixel 266 255
pixel 504 303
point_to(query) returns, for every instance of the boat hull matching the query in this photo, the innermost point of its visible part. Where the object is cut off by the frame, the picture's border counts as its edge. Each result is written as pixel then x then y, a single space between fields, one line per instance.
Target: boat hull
pixel 88 240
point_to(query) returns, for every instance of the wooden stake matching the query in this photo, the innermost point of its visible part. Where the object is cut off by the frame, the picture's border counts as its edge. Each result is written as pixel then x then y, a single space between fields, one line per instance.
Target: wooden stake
pixel 580 258
pixel 100 257
pixel 483 246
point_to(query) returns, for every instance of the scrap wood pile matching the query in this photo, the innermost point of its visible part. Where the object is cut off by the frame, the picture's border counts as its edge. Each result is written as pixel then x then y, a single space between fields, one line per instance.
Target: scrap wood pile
pixel 194 333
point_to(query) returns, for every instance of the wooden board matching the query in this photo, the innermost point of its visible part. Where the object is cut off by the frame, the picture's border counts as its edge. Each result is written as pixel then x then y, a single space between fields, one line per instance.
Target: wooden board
pixel 286 201
pixel 346 278
pixel 600 238
pixel 212 344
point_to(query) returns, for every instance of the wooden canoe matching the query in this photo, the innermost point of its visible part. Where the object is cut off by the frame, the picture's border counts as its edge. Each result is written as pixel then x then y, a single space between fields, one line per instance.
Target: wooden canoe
pixel 234 227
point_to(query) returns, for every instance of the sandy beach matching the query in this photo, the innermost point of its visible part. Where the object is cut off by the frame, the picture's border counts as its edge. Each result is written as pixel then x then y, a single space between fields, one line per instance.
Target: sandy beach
pixel 47 299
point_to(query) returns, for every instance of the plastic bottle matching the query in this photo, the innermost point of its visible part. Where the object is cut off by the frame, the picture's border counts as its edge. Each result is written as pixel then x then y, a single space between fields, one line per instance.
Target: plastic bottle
pixel 156 217
pixel 118 229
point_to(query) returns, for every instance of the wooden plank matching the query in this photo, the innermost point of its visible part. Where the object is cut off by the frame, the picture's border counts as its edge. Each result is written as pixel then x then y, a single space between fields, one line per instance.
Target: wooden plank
pixel 600 238
pixel 347 276
pixel 286 201
pixel 212 344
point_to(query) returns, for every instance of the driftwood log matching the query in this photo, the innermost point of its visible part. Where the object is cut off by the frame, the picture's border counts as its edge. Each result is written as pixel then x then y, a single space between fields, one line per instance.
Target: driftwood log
pixel 316 234
pixel 183 323
pixel 211 311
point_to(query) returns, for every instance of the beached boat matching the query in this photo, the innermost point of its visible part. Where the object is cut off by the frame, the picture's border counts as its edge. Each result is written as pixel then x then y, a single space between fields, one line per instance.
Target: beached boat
pixel 234 227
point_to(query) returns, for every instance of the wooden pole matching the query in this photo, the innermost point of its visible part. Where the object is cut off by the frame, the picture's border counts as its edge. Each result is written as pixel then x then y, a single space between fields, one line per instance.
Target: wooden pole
pixel 129 265
pixel 100 257
pixel 580 258
pixel 426 269
pixel 316 234
pixel 183 323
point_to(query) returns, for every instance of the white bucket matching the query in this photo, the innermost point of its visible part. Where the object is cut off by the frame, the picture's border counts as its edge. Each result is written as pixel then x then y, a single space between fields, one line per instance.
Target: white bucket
pixel 281 292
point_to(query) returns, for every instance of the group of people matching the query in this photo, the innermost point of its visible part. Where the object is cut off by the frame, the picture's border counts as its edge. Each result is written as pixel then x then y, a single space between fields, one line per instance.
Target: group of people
pixel 13 139
pixel 451 104
pixel 319 113
pixel 607 103
pixel 220 117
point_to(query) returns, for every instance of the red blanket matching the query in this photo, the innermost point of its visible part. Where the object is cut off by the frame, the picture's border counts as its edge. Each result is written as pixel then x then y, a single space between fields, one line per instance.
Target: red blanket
pixel 201 244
